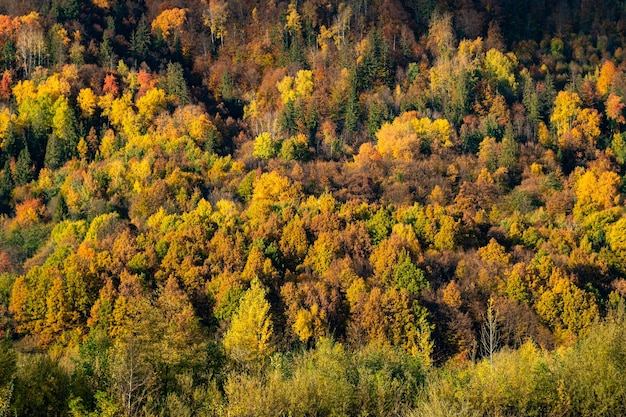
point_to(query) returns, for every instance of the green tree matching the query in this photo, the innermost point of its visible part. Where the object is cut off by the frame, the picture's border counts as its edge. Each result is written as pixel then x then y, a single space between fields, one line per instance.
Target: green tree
pixel 65 127
pixel 6 187
pixel 530 98
pixel 408 276
pixel 42 387
pixel 176 85
pixel 8 367
pixel 378 114
pixel 351 114
pixel 140 41
pixel 54 152
pixel 509 151
pixel 23 167
pixel 379 225
pixel 106 54
pixel 8 55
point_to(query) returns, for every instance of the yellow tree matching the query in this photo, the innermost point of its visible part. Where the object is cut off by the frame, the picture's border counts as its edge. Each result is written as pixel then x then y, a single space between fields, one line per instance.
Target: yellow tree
pixel 270 190
pixel 169 22
pixel 133 356
pixel 398 140
pixel 322 252
pixel 293 242
pixel 294 21
pixel 150 104
pixel 568 309
pixel 180 339
pixel 607 72
pixel 566 108
pixel 301 86
pixel 265 147
pixel 616 238
pixel 122 115
pixel 87 101
pixel 596 191
pixel 104 4
pixel 249 338
pixel 500 69
pixel 407 136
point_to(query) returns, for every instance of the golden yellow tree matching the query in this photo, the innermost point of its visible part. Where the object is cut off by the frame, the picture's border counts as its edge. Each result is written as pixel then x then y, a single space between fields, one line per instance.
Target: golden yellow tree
pixel 596 191
pixel 566 108
pixel 169 22
pixel 87 101
pixel 607 72
pixel 250 336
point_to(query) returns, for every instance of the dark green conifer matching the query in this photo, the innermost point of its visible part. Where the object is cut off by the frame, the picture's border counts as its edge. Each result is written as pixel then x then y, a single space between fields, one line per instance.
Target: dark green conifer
pixel 24 167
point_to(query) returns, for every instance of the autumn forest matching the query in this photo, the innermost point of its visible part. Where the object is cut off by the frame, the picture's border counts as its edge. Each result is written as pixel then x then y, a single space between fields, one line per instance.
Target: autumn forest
pixel 312 208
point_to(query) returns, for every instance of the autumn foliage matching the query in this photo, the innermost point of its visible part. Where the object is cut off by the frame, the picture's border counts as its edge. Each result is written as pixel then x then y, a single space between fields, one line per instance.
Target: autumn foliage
pixel 312 208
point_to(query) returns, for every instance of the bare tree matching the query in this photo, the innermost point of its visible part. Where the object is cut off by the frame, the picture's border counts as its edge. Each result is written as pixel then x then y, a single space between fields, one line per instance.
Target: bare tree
pixel 134 378
pixel 31 46
pixel 489 335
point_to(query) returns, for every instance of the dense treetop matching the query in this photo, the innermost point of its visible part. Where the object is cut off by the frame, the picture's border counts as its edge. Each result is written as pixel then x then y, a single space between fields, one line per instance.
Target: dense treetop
pixel 234 207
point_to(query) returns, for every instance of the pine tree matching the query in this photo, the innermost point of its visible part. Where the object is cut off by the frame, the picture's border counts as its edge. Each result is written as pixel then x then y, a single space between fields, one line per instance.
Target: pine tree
pixel 8 55
pixel 140 41
pixel 54 153
pixel 23 167
pixel 351 117
pixel 106 53
pixel 60 210
pixel 176 85
pixel 530 98
pixel 547 96
pixel 6 186
pixel 376 116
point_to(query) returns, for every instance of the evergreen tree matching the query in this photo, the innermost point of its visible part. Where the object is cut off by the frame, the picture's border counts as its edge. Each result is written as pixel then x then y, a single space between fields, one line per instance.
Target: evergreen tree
pixel 10 145
pixel 24 167
pixel 351 117
pixel 176 85
pixel 140 41
pixel 54 152
pixel 6 186
pixel 548 95
pixel 8 55
pixel 60 209
pixel 287 119
pixel 106 53
pixel 530 99
pixel 378 114
pixel 509 150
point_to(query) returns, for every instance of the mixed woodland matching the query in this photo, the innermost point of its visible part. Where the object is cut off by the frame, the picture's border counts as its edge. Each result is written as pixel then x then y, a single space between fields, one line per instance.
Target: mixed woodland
pixel 312 208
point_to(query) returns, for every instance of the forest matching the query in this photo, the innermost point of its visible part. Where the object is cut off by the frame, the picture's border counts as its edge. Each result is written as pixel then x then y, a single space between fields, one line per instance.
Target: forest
pixel 312 208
